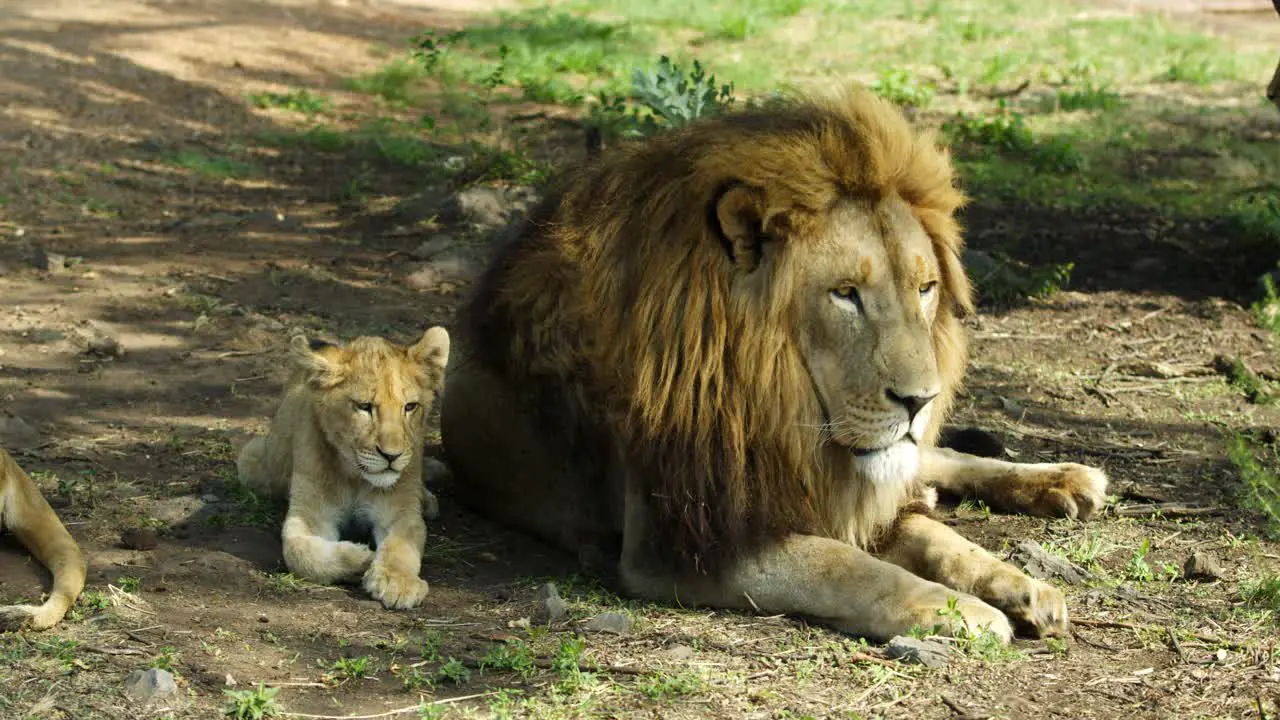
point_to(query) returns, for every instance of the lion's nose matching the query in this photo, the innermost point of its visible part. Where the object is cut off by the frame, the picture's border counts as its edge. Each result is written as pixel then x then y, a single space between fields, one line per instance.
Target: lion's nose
pixel 913 403
pixel 390 457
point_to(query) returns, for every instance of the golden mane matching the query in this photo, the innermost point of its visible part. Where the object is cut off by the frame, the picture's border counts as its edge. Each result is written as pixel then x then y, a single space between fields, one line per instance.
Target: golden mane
pixel 634 306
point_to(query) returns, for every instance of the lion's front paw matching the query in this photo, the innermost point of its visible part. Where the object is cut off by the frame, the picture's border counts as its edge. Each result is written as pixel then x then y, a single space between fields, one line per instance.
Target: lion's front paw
pixel 1068 490
pixel 396 590
pixel 950 613
pixel 1036 608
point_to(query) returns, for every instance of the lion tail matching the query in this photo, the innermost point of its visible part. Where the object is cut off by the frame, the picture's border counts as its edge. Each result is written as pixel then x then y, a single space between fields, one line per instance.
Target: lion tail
pixel 28 515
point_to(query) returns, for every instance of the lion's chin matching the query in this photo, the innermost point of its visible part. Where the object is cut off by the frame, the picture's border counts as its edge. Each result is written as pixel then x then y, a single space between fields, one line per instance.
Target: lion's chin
pixel 383 479
pixel 894 465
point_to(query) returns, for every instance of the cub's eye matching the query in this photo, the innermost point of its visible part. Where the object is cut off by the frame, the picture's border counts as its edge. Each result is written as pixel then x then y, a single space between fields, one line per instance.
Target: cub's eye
pixel 410 407
pixel 849 294
pixel 365 407
pixel 928 288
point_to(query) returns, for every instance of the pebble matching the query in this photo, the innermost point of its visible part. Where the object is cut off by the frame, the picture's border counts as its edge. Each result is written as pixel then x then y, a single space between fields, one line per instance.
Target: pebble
pixel 551 608
pixel 151 684
pixel 139 539
pixel 1202 566
pixel 929 653
pixel 609 622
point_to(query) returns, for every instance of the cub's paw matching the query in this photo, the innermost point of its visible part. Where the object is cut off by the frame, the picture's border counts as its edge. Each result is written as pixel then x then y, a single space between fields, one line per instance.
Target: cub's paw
pixel 1036 608
pixel 396 590
pixel 16 617
pixel 951 613
pixel 1065 490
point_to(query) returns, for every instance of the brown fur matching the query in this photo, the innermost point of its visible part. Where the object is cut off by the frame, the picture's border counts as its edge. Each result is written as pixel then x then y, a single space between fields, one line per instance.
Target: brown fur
pixel 25 512
pixel 638 372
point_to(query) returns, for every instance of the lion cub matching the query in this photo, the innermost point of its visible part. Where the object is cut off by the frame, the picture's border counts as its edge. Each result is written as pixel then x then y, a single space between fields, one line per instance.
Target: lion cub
pixel 346 445
pixel 25 513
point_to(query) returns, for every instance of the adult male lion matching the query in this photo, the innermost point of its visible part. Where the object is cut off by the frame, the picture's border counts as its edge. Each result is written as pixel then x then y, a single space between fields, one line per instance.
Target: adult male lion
pixel 25 512
pixel 727 351
pixel 345 446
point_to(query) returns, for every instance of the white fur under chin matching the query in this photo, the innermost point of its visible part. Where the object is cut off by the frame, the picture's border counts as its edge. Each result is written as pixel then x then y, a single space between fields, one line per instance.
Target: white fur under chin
pixel 383 479
pixel 895 465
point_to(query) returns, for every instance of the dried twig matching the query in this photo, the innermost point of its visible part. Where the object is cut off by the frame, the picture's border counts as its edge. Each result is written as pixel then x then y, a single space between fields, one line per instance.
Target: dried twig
pixel 1086 622
pixel 1167 509
pixel 103 650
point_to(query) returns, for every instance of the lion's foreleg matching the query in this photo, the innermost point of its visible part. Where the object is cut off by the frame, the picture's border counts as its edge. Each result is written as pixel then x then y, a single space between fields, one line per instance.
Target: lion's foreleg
pixel 1045 489
pixel 393 577
pixel 934 551
pixel 313 551
pixel 27 514
pixel 828 580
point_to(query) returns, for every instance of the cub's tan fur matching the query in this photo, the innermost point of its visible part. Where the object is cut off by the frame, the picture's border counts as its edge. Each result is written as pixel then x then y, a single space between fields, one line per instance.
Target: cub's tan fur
pixel 720 359
pixel 24 511
pixel 346 446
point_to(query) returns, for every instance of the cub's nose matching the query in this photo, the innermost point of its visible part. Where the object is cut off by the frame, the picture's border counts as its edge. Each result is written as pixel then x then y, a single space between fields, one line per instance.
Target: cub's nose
pixel 389 457
pixel 913 403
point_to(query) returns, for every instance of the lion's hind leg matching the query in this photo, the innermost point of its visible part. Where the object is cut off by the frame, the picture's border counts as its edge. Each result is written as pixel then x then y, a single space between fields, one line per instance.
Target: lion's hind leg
pixel 27 514
pixel 934 551
pixel 313 551
pixel 1044 489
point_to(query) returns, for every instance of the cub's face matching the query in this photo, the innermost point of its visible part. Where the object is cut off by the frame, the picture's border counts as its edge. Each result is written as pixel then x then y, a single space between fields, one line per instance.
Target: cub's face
pixel 372 398
pixel 870 290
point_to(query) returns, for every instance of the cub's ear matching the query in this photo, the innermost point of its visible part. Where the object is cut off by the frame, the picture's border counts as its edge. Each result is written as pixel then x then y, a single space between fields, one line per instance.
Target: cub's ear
pixel 319 359
pixel 432 350
pixel 738 214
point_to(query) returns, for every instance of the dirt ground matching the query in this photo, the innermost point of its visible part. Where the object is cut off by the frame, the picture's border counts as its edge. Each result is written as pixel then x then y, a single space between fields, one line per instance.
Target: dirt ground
pixel 198 277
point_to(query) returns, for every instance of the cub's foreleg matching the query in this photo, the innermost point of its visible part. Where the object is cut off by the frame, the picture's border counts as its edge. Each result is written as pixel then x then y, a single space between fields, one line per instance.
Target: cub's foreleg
pixel 393 578
pixel 313 551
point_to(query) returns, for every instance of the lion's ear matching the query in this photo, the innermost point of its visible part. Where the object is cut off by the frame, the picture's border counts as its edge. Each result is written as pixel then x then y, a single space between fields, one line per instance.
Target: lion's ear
pixel 318 359
pixel 432 350
pixel 739 215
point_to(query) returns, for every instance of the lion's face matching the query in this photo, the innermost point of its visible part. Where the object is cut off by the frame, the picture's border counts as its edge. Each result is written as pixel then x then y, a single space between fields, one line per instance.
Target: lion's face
pixel 865 285
pixel 869 295
pixel 372 397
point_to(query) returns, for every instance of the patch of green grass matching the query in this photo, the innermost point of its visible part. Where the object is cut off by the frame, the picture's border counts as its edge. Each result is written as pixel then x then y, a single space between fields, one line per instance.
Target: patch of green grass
pixel 129 584
pixel 284 583
pixel 454 671
pixel 210 166
pixel 61 650
pixel 1002 280
pixel 347 669
pixel 1263 593
pixel 166 660
pixel 1255 389
pixel 663 685
pixel 1090 96
pixel 514 655
pixel 254 704
pixel 394 82
pixel 299 101
pixel 902 87
pixel 1138 569
pixel 1258 466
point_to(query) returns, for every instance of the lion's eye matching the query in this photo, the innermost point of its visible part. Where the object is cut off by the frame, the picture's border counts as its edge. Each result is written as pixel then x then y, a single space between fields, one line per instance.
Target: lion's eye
pixel 365 407
pixel 928 288
pixel 410 407
pixel 849 294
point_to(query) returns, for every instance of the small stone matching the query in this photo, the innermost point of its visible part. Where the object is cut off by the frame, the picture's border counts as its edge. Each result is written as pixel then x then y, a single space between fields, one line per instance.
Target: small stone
pixel 679 652
pixel 483 206
pixel 49 261
pixel 610 622
pixel 104 346
pixel 913 650
pixel 1040 563
pixel 551 608
pixel 1202 566
pixel 487 556
pixel 208 498
pixel 139 539
pixel 151 684
pixel 229 681
pixel 262 618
